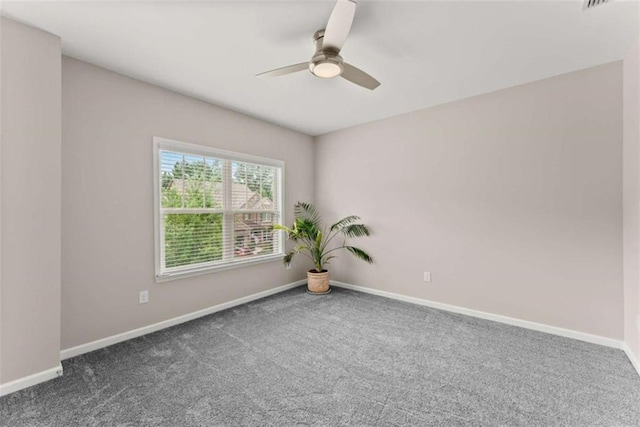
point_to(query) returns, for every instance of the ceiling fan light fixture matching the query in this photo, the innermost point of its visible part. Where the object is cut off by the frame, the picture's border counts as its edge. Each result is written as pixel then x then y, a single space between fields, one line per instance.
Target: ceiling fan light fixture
pixel 326 65
pixel 326 69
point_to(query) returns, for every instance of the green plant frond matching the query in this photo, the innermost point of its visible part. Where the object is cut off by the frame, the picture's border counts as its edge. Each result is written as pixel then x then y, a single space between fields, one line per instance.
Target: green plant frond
pixel 292 233
pixel 344 222
pixel 287 258
pixel 308 212
pixel 295 233
pixel 325 260
pixel 299 248
pixel 284 228
pixel 306 229
pixel 305 224
pixel 359 253
pixel 355 230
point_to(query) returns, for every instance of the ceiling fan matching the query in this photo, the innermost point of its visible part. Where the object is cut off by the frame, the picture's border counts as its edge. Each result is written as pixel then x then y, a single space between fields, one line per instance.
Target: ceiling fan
pixel 326 62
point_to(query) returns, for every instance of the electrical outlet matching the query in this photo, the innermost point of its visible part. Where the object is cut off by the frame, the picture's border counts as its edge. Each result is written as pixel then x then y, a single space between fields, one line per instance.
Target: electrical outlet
pixel 143 298
pixel 427 276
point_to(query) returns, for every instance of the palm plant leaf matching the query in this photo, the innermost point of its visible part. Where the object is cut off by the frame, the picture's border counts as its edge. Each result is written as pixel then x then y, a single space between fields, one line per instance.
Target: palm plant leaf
pixel 299 248
pixel 355 230
pixel 306 229
pixel 308 212
pixel 325 260
pixel 284 228
pixel 359 253
pixel 344 222
pixel 287 257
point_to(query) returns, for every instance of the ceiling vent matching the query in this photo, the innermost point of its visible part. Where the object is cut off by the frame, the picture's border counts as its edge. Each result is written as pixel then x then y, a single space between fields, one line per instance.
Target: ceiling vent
pixel 590 4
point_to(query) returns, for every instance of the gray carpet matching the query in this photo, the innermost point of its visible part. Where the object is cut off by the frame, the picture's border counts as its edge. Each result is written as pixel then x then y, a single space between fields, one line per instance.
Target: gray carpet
pixel 346 358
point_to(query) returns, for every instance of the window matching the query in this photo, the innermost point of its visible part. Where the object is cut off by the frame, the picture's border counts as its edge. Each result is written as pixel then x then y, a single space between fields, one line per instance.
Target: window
pixel 211 207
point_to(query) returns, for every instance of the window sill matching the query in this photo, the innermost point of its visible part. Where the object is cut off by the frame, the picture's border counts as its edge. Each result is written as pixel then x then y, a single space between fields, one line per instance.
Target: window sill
pixel 182 274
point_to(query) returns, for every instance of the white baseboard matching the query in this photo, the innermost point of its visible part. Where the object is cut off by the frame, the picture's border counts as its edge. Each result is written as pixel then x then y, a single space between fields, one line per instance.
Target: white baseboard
pixel 582 336
pixel 105 342
pixel 632 357
pixel 30 380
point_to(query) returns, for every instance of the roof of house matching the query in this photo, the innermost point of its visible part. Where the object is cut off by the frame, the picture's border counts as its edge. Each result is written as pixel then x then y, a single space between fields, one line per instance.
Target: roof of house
pixel 242 197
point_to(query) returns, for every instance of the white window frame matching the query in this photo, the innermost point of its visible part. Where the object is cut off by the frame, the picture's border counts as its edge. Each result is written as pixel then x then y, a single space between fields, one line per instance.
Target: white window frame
pixel 162 274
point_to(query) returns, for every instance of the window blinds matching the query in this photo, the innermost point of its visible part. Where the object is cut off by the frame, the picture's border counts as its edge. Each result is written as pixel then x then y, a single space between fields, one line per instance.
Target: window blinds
pixel 215 210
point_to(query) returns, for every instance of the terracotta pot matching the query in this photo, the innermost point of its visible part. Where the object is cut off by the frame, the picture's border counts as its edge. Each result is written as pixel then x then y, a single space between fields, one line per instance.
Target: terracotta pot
pixel 318 283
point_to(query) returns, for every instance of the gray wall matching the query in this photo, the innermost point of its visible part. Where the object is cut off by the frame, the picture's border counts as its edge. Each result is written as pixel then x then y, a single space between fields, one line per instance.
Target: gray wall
pixel 631 187
pixel 29 201
pixel 512 200
pixel 107 200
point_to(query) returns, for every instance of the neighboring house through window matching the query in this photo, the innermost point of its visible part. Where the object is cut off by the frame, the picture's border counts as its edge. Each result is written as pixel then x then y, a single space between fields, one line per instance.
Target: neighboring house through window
pixel 214 209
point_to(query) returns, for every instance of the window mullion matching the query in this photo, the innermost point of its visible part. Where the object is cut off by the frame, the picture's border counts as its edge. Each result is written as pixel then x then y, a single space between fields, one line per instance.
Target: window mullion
pixel 184 180
pixel 277 188
pixel 203 183
pixel 191 211
pixel 228 222
pixel 162 239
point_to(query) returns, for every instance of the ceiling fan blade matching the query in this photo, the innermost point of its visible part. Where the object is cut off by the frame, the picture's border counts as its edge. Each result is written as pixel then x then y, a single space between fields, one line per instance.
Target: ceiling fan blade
pixel 339 24
pixel 285 70
pixel 359 77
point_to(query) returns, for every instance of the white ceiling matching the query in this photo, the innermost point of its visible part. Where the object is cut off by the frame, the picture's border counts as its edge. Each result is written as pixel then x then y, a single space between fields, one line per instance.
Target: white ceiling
pixel 425 53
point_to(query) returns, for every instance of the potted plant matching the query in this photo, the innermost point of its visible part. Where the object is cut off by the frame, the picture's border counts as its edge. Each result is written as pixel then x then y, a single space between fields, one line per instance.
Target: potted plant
pixel 313 241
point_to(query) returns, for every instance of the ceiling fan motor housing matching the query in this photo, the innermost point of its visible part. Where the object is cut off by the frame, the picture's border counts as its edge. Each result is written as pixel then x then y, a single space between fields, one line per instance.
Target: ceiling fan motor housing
pixel 325 63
